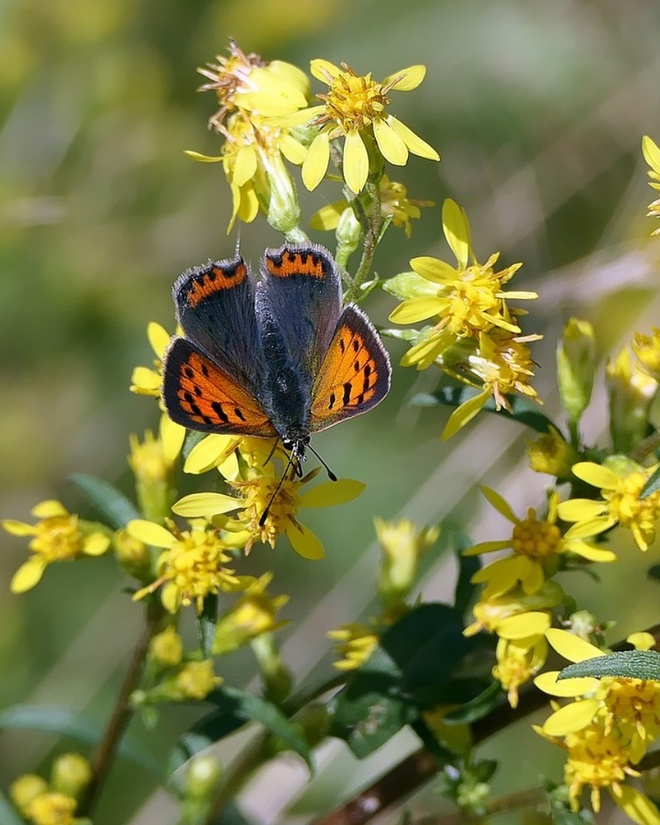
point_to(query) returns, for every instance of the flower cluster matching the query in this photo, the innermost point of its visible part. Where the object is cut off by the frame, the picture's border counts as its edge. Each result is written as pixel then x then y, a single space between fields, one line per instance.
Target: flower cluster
pixel 475 337
pixel 606 730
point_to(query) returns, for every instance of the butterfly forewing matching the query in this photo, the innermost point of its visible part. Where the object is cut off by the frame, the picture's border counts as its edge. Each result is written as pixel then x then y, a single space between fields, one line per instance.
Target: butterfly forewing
pixel 215 307
pixel 300 292
pixel 354 375
pixel 201 396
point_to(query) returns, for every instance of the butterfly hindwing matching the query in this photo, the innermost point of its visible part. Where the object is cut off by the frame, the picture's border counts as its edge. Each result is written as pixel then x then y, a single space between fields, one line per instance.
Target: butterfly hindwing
pixel 215 307
pixel 200 395
pixel 355 373
pixel 299 301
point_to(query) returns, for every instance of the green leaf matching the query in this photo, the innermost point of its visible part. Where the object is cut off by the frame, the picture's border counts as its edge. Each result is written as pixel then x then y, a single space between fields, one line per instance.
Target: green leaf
pixel 192 440
pixel 426 645
pixel 467 567
pixel 652 485
pixel 523 410
pixel 66 722
pixel 108 500
pixel 476 708
pixel 560 808
pixel 206 625
pixel 8 814
pixel 370 709
pixel 229 815
pixel 627 664
pixel 430 741
pixel 233 709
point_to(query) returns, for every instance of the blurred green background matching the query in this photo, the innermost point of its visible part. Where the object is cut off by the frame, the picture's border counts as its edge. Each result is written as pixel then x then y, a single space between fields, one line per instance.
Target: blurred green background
pixel 537 109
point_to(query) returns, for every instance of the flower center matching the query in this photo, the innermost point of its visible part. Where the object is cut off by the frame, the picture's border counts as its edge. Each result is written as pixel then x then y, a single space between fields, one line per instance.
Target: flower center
pixel 536 539
pixel 57 538
pixel 354 101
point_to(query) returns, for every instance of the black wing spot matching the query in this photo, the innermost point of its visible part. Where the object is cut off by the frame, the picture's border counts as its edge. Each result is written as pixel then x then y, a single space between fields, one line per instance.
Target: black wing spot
pixel 333 399
pixel 239 414
pixel 205 370
pixel 189 372
pixel 347 393
pixel 216 406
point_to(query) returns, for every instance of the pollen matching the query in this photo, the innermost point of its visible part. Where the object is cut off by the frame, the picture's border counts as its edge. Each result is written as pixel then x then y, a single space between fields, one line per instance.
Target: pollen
pixel 535 539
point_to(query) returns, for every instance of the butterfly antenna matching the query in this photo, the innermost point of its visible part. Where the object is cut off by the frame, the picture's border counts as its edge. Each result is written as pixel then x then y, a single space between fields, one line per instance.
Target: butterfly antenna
pixel 331 475
pixel 264 515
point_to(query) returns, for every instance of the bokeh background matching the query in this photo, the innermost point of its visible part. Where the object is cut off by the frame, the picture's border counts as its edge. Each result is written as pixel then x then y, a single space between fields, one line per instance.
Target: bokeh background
pixel 538 111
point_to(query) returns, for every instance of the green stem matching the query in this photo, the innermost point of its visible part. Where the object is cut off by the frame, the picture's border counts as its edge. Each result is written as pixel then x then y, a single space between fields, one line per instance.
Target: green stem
pixel 507 802
pixel 103 756
pixel 646 447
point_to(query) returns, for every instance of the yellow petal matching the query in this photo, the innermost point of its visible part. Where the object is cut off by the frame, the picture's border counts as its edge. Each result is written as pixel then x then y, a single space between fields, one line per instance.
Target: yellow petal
pixel 433 269
pixel 356 162
pixel 406 80
pixel 203 158
pixel 27 575
pixel 457 231
pixel 391 146
pixel 158 337
pixel 95 544
pixel 416 309
pixel 464 414
pixel 571 718
pixel 327 217
pixel 502 507
pixel 641 640
pixel 49 509
pixel 595 474
pixel 635 804
pixel 208 452
pixel 292 149
pixel 17 528
pixel 570 646
pixel 304 542
pixel 651 153
pixel 414 143
pixel 566 688
pixel 172 436
pixel 146 379
pixel 150 533
pixel 486 547
pixel 324 70
pixel 316 163
pixel 534 623
pixel 580 509
pixel 246 165
pixel 205 505
pixel 590 551
pixel 170 598
pixel 330 493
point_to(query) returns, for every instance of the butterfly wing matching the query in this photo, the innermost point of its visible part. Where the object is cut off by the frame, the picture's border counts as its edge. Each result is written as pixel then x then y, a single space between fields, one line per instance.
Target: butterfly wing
pixel 355 372
pixel 299 302
pixel 201 395
pixel 215 307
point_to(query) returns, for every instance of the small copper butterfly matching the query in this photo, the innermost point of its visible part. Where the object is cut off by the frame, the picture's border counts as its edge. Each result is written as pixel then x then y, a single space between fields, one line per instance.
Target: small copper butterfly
pixel 281 359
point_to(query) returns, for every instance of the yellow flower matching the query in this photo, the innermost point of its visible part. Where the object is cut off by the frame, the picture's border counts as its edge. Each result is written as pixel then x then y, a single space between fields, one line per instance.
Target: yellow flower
pixel 631 391
pixel 652 156
pixel 152 462
pixel 466 300
pixel 57 536
pixel 355 642
pixel 195 680
pixel 647 350
pixel 620 486
pixel 269 506
pixel 355 108
pixel 191 566
pixel 27 787
pixel 248 83
pixel 536 546
pixel 403 544
pixel 52 808
pixel 166 648
pixel 516 614
pixel 518 660
pixel 253 615
pixel 608 727
pixel 148 380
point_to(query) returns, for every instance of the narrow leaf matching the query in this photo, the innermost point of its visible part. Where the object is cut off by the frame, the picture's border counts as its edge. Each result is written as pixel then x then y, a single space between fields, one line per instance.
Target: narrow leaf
pixel 108 500
pixel 206 625
pixel 627 664
pixel 652 485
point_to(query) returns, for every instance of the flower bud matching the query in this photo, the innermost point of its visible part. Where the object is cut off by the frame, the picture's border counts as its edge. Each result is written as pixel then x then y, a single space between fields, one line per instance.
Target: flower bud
pixel 576 366
pixel 71 774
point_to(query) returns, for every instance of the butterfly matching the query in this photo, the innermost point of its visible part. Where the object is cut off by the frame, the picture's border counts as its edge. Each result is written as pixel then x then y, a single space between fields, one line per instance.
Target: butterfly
pixel 280 359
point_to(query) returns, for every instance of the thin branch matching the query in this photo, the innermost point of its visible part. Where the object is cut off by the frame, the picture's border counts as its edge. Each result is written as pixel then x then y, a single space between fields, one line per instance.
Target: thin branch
pixel 103 756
